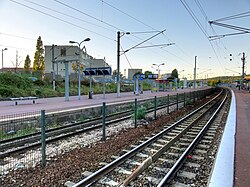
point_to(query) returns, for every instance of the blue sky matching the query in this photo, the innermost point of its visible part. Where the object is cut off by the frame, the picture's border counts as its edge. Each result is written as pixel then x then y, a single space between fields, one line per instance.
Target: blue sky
pixel 100 20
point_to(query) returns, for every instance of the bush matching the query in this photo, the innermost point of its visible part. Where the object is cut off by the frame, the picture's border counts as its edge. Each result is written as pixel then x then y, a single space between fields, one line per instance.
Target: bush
pixel 188 102
pixel 39 82
pixel 14 80
pixel 141 113
pixel 46 92
pixel 5 92
pixel 11 91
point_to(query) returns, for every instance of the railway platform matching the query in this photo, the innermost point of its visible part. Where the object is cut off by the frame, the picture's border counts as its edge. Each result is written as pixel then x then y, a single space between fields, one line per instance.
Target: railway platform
pixel 59 103
pixel 232 166
pixel 242 152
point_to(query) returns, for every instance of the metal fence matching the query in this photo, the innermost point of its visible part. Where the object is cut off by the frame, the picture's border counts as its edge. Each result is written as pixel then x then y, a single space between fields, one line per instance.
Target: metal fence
pixel 14 129
pixel 39 124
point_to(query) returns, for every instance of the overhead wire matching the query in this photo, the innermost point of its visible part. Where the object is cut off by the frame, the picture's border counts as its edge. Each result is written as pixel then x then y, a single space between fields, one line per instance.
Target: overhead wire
pixel 75 9
pixel 62 20
pixel 236 16
pixel 62 13
pixel 143 23
pixel 88 15
pixel 127 14
pixel 191 13
pixel 126 57
pixel 64 4
pixel 71 17
pixel 146 40
pixel 25 49
pixel 207 20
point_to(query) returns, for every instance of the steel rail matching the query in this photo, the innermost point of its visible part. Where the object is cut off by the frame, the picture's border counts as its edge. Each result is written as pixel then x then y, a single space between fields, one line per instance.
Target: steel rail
pixel 76 126
pixel 109 167
pixel 94 120
pixel 86 126
pixel 183 157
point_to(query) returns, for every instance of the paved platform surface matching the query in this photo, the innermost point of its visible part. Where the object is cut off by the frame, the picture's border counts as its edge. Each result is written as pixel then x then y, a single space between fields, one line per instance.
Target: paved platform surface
pixel 232 165
pixel 242 153
pixel 59 103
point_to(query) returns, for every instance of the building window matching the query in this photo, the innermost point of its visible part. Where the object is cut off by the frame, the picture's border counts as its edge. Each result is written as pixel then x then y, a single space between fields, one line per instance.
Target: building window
pixel 63 52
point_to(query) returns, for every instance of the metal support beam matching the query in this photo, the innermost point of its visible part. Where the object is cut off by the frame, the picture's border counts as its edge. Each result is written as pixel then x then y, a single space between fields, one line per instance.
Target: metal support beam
pixel 195 71
pixel 118 64
pixel 66 80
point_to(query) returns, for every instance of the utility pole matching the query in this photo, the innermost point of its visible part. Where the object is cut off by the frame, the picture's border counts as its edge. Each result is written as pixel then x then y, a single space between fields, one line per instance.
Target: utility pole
pixel 53 68
pixel 118 64
pixel 243 69
pixel 2 56
pixel 195 71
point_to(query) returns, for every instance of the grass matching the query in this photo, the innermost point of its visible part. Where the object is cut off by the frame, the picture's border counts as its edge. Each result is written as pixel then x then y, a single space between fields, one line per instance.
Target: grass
pixel 21 132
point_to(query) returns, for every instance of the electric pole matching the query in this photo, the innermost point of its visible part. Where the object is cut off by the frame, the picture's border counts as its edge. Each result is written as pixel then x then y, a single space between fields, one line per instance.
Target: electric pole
pixel 243 69
pixel 53 68
pixel 195 72
pixel 118 64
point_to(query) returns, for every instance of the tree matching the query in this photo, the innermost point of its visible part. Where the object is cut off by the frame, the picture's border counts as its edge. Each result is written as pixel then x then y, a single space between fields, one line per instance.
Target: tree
pixel 27 64
pixel 174 73
pixel 75 68
pixel 39 64
pixel 147 73
pixel 115 74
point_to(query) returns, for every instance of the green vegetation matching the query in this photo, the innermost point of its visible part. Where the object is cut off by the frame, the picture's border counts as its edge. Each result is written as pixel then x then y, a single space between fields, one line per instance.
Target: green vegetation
pixel 141 113
pixel 27 64
pixel 39 64
pixel 15 85
pixel 21 132
pixel 188 102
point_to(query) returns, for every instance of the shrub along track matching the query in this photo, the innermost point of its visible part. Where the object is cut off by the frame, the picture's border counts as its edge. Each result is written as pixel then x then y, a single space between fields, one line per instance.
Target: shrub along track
pixel 71 165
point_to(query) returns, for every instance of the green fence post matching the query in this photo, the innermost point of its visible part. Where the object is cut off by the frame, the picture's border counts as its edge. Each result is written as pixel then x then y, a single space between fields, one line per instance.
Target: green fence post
pixel 135 112
pixel 155 105
pixel 168 105
pixel 103 121
pixel 43 138
pixel 177 101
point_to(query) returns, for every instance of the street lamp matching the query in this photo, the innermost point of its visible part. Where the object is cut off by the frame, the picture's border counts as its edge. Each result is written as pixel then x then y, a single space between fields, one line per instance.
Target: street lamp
pixel 119 35
pixel 78 65
pixel 179 73
pixel 2 56
pixel 158 67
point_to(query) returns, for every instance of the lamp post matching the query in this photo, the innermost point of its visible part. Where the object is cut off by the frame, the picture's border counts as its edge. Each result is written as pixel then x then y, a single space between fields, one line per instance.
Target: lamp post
pixel 158 68
pixel 2 56
pixel 78 66
pixel 119 35
pixel 180 77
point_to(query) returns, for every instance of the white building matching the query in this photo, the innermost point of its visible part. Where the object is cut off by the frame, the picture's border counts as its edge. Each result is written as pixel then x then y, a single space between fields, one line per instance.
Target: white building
pixel 165 76
pixel 72 54
pixel 132 72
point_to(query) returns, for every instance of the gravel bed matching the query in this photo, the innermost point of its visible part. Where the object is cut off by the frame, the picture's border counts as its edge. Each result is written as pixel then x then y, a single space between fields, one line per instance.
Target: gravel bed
pixel 69 158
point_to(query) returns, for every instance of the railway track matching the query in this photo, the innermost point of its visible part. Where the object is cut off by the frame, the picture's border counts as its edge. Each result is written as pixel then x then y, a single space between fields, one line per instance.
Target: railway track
pixel 26 142
pixel 157 160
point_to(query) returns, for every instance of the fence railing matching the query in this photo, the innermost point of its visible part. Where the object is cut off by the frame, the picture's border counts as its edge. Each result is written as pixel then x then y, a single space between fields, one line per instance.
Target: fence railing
pixel 21 126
